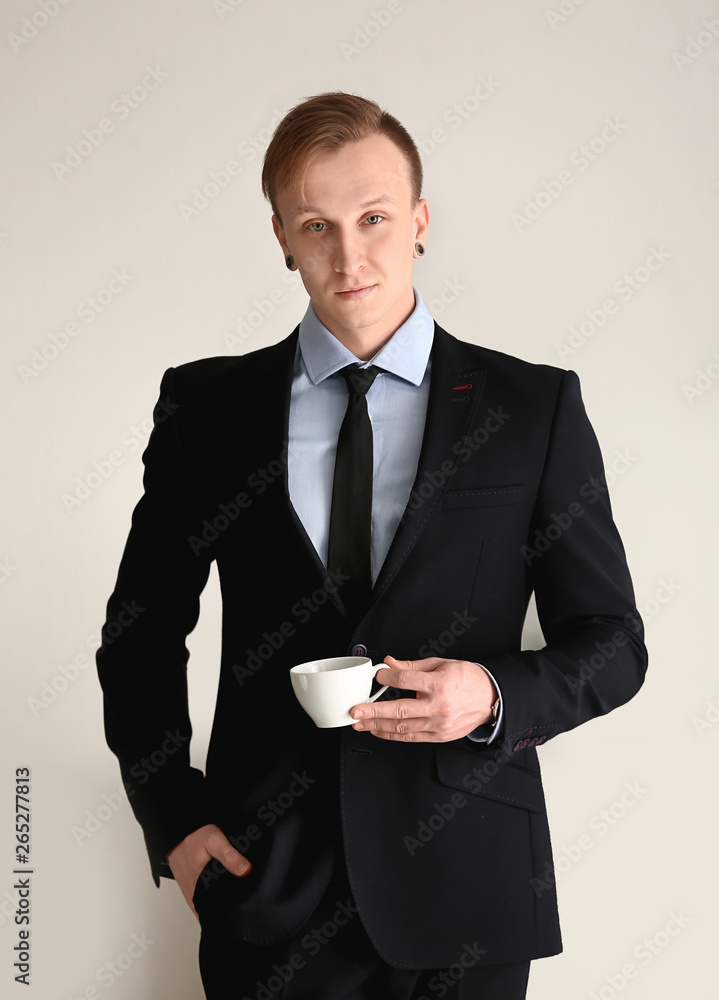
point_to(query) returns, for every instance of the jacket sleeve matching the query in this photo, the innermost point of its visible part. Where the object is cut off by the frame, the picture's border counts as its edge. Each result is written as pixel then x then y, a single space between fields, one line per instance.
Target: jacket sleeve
pixel 142 661
pixel 594 659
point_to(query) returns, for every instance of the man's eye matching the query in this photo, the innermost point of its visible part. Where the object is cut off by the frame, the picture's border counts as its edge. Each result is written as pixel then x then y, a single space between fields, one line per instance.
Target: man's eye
pixel 376 218
pixel 312 229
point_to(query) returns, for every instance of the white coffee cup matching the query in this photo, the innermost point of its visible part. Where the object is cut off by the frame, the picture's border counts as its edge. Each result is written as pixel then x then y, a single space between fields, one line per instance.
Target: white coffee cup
pixel 327 689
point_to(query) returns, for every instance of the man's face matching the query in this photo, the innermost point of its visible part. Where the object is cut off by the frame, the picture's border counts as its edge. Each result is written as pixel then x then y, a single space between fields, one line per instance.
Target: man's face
pixel 353 236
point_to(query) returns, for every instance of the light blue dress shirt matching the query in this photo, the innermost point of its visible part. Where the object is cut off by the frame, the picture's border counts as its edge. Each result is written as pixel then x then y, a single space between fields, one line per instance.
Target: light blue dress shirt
pixel 397 407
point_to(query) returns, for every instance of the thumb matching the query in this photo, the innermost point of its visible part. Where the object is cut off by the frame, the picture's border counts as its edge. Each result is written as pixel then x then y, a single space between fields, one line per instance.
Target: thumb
pixel 233 861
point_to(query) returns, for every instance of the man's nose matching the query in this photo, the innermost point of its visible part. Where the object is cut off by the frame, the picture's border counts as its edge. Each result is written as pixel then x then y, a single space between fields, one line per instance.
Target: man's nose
pixel 347 252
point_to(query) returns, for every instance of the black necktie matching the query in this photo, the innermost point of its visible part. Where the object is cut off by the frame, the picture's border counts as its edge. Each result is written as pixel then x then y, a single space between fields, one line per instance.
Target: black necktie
pixel 351 514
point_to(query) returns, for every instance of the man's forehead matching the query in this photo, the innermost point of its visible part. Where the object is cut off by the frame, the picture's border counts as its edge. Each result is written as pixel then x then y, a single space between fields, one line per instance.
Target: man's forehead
pixel 309 208
pixel 361 174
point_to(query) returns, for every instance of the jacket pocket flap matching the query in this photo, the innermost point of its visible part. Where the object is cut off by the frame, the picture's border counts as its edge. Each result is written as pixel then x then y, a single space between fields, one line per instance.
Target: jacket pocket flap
pixel 480 774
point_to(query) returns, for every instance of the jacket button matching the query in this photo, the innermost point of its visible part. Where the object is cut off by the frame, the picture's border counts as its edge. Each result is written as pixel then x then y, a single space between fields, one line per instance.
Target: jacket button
pixel 358 650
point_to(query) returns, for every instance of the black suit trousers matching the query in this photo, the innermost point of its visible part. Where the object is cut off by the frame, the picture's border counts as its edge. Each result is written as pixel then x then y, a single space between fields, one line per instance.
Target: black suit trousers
pixel 331 958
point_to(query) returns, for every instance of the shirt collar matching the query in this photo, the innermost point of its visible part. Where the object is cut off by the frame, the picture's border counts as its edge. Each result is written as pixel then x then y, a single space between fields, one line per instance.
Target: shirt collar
pixel 405 354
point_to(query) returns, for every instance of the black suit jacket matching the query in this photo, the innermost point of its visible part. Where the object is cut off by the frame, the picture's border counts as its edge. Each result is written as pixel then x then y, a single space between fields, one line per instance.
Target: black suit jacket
pixel 445 843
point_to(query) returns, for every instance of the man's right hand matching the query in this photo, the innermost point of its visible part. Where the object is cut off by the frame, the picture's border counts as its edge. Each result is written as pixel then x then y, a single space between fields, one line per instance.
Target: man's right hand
pixel 190 856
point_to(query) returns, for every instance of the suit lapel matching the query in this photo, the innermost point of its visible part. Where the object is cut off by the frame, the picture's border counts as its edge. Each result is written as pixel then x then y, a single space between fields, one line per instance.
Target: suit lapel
pixel 276 367
pixel 456 386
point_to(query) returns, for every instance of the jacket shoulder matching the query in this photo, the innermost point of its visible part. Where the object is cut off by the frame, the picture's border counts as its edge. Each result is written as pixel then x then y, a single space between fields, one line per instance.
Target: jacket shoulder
pixel 209 375
pixel 506 366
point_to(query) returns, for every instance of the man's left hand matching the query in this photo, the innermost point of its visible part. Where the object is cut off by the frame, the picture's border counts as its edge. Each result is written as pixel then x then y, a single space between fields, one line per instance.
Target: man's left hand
pixel 453 698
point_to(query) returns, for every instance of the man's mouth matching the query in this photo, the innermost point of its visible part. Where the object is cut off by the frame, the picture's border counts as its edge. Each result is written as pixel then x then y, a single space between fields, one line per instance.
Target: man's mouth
pixel 355 293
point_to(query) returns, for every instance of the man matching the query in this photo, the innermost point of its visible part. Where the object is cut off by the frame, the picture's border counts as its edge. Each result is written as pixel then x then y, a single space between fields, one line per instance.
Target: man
pixel 407 854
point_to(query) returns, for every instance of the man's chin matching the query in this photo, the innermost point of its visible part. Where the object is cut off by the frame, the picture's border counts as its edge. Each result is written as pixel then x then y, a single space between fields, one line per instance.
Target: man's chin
pixel 349 318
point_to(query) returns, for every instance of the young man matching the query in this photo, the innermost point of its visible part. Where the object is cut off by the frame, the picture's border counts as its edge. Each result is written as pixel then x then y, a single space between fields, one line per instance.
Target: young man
pixel 370 485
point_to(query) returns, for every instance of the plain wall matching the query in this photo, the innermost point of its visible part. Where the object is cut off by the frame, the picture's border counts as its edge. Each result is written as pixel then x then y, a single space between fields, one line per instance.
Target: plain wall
pixel 114 268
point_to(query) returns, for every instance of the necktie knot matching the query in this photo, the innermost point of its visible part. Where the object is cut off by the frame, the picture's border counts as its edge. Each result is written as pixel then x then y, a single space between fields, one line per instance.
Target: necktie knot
pixel 360 379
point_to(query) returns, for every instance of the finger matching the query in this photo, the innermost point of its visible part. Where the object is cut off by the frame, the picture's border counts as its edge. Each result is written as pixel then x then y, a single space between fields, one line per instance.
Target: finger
pixel 223 851
pixel 402 708
pixel 406 678
pixel 398 731
pixel 413 675
pixel 401 716
pixel 427 663
pixel 422 736
pixel 425 735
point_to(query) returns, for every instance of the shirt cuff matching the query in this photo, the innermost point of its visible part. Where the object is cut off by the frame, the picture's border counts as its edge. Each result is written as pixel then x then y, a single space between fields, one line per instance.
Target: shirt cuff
pixel 486 733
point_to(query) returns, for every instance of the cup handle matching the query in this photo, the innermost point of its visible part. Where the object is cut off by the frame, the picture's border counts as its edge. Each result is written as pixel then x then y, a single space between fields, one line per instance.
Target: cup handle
pixel 382 690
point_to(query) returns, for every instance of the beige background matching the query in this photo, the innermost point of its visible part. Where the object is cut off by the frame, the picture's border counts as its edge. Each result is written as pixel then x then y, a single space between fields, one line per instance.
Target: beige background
pixel 107 242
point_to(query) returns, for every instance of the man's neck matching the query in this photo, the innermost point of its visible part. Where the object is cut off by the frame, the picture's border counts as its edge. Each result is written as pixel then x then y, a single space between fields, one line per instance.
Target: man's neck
pixel 363 344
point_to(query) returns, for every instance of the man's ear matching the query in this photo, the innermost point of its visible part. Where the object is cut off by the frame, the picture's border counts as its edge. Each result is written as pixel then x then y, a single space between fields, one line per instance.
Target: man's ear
pixel 421 219
pixel 280 234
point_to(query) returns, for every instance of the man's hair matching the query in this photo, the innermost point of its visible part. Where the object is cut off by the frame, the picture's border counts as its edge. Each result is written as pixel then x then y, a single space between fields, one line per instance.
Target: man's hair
pixel 325 123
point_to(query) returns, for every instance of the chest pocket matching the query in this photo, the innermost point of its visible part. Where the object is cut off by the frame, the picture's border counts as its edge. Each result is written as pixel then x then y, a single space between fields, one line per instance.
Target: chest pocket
pixel 489 496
